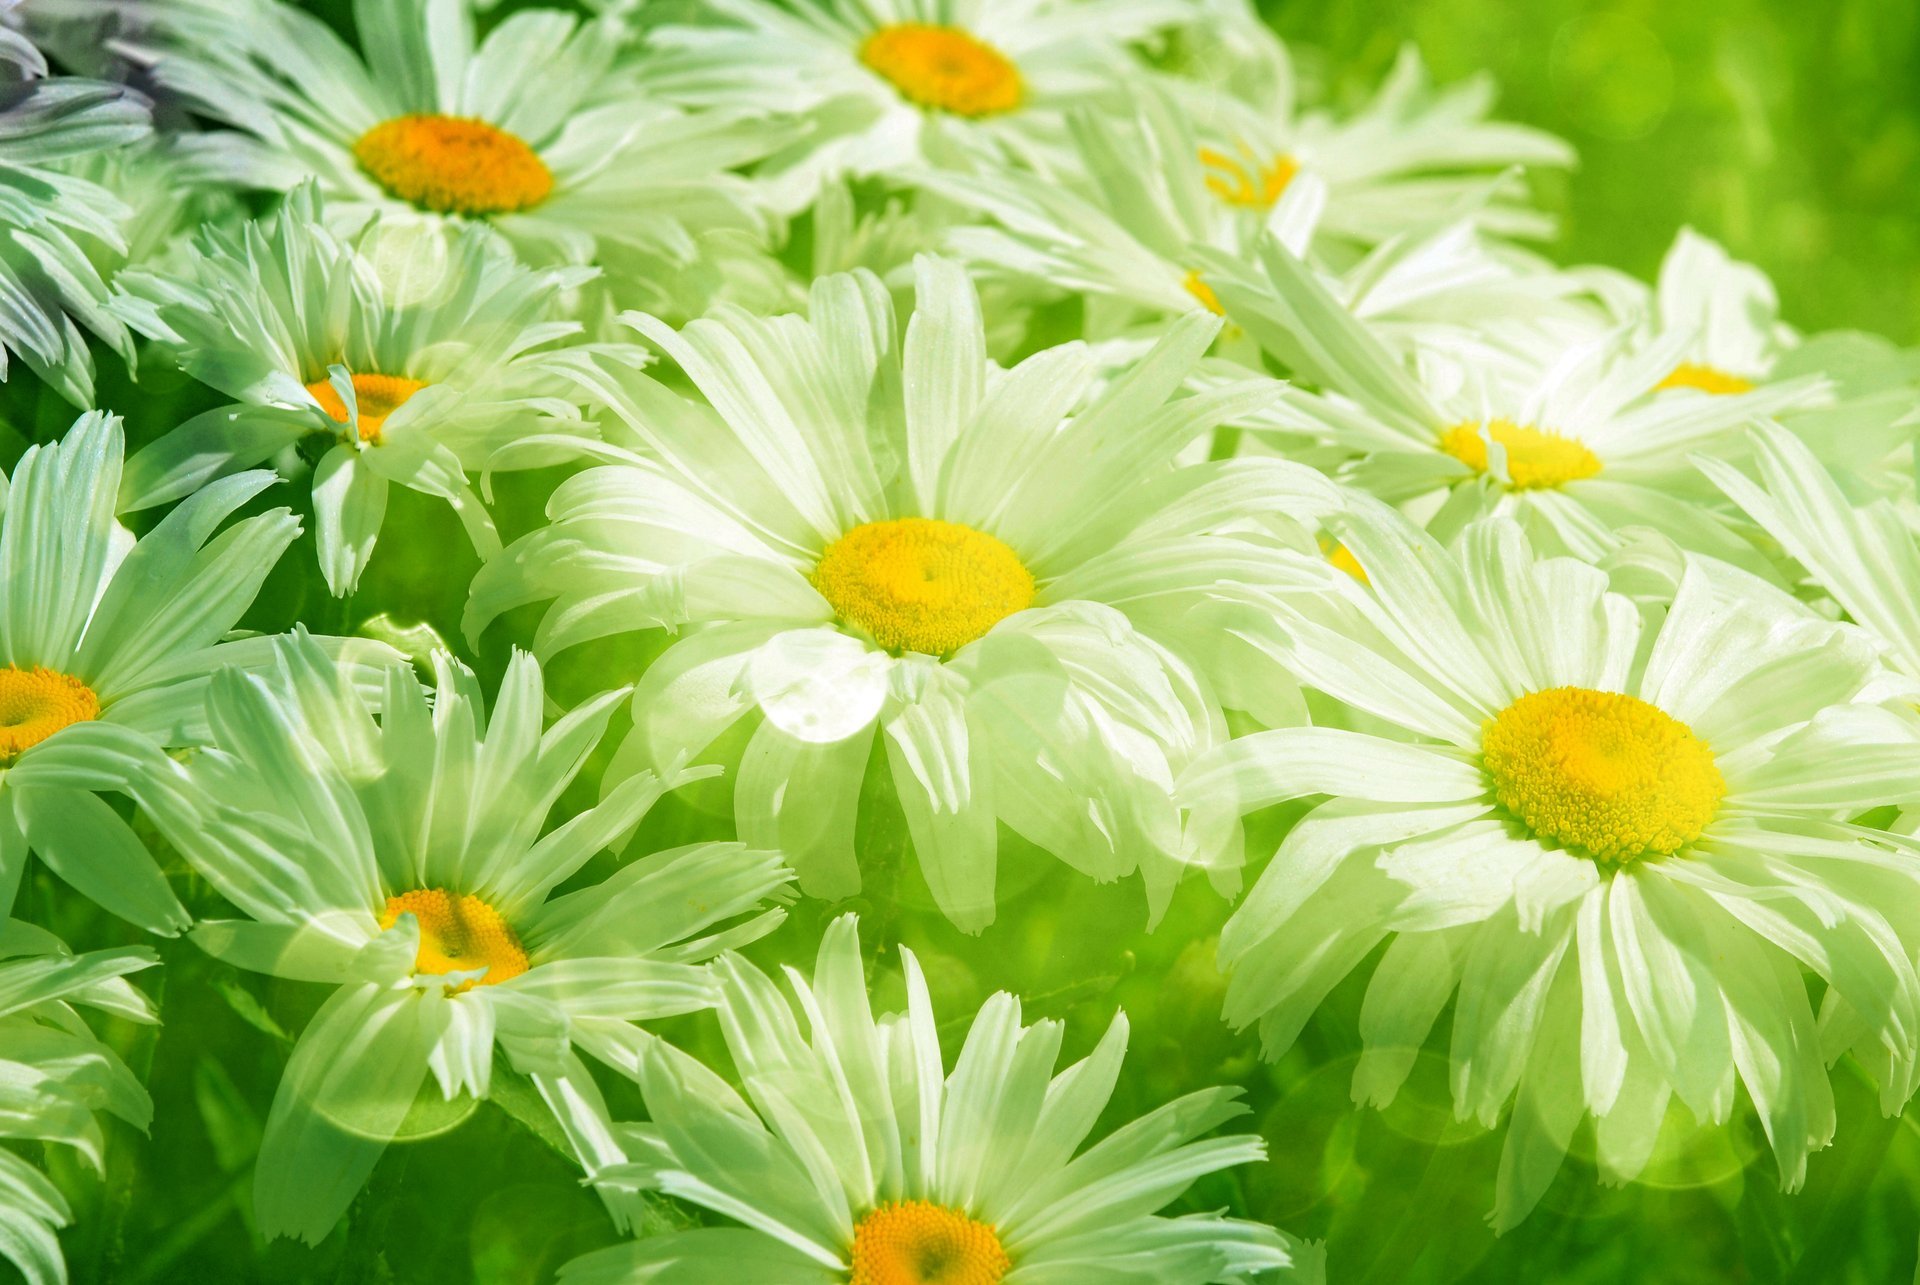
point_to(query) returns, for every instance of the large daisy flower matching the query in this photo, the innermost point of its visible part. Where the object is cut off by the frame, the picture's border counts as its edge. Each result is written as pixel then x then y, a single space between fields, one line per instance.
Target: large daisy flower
pixel 55 1075
pixel 49 288
pixel 889 86
pixel 1617 839
pixel 1555 424
pixel 407 357
pixel 402 862
pixel 106 646
pixel 996 570
pixel 524 132
pixel 855 1157
pixel 1415 154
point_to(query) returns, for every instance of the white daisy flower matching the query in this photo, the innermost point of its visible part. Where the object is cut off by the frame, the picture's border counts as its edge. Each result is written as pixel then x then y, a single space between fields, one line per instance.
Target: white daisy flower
pixel 1561 429
pixel 106 646
pixel 1132 238
pixel 996 570
pixel 1414 155
pixel 1616 839
pixel 855 1158
pixel 1729 312
pixel 55 1076
pixel 889 86
pixel 402 861
pixel 407 357
pixel 526 132
pixel 49 288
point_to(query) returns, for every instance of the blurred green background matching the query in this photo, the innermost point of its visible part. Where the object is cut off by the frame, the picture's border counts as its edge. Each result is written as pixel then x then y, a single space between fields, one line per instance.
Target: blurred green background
pixel 1788 130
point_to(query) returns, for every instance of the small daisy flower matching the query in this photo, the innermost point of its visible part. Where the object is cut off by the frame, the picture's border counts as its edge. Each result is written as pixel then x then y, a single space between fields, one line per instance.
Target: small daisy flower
pixel 997 571
pixel 55 1076
pixel 889 86
pixel 524 132
pixel 1414 155
pixel 1616 841
pixel 1558 427
pixel 855 1158
pixel 50 288
pixel 402 862
pixel 106 647
pixel 406 357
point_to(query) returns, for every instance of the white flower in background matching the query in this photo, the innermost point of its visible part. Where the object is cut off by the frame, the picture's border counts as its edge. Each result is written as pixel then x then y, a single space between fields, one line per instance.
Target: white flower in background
pixel 889 86
pixel 106 646
pixel 1414 155
pixel 1560 429
pixel 1134 237
pixel 55 1075
pixel 525 132
pixel 50 290
pixel 408 356
pixel 404 862
pixel 1729 312
pixel 996 570
pixel 855 1157
pixel 1615 841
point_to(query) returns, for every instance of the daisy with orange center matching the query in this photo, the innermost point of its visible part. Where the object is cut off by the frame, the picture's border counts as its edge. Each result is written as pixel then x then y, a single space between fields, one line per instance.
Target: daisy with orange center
pixel 532 130
pixel 422 889
pixel 892 87
pixel 107 645
pixel 877 1166
pixel 407 355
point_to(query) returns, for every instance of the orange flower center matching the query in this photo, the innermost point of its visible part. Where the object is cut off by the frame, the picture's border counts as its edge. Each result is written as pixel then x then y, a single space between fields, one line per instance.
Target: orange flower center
pixel 1537 459
pixel 1245 180
pixel 912 1242
pixel 453 165
pixel 944 69
pixel 376 396
pixel 458 934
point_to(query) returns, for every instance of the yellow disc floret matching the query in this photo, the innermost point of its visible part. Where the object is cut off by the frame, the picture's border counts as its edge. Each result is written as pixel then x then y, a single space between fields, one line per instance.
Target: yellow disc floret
pixel 377 397
pixel 453 165
pixel 915 1243
pixel 1708 379
pixel 1204 293
pixel 36 703
pixel 944 69
pixel 459 934
pixel 1244 180
pixel 920 584
pixel 1536 459
pixel 1601 772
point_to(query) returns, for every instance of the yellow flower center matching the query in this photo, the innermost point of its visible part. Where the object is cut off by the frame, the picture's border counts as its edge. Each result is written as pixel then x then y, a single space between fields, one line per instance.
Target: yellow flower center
pixel 36 703
pixel 1601 772
pixel 1244 180
pixel 1342 557
pixel 944 69
pixel 1536 459
pixel 458 934
pixel 916 1243
pixel 1204 293
pixel 920 584
pixel 377 396
pixel 453 165
pixel 1708 379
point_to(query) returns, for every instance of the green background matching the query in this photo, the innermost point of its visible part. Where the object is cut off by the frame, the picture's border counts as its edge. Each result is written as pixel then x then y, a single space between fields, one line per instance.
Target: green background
pixel 1788 130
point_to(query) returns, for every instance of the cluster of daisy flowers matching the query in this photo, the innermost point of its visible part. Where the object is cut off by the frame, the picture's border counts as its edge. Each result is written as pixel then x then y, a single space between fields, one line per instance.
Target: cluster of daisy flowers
pixel 1040 416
